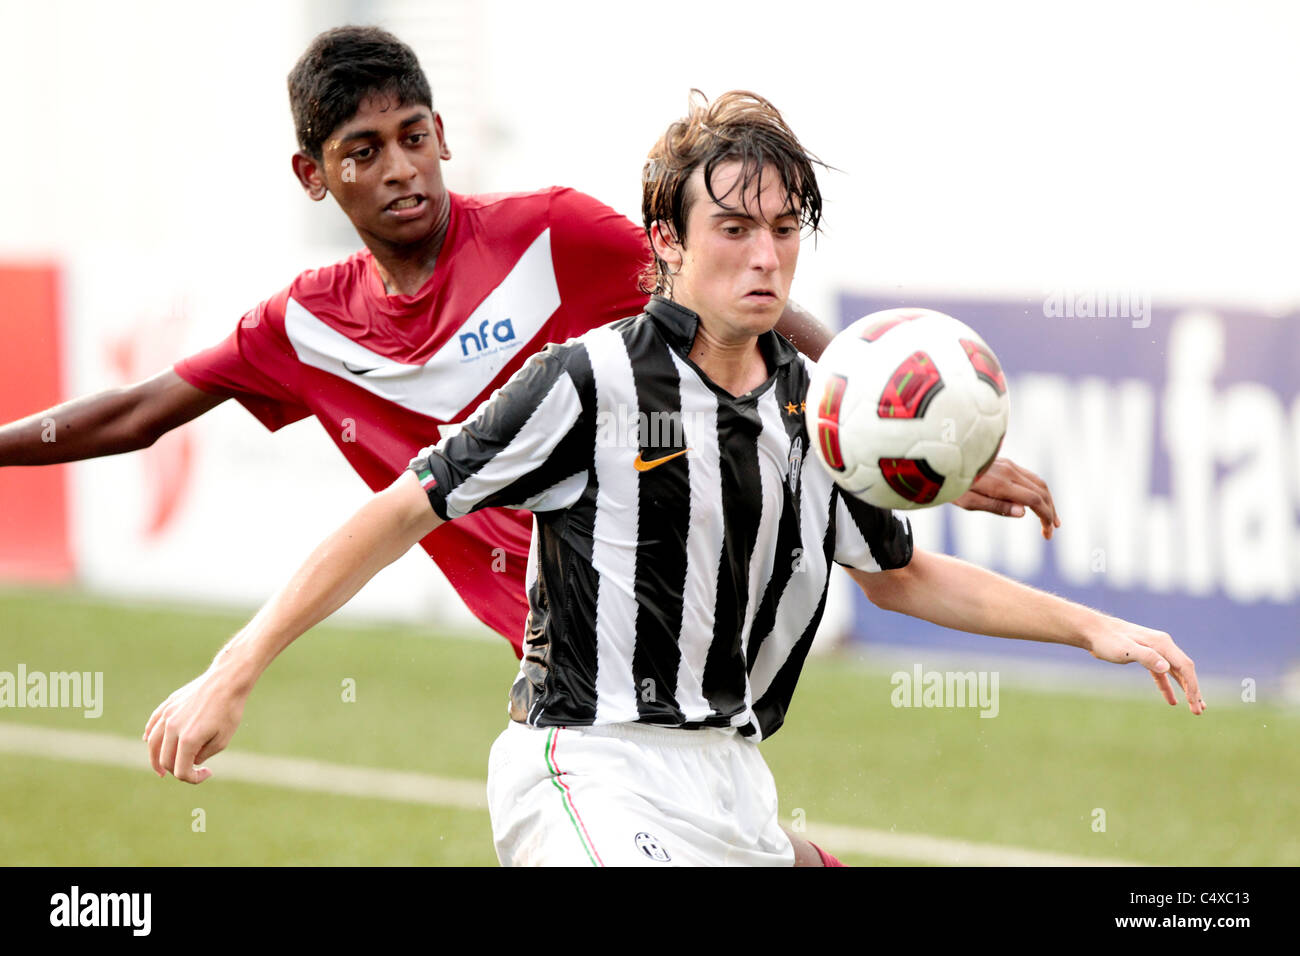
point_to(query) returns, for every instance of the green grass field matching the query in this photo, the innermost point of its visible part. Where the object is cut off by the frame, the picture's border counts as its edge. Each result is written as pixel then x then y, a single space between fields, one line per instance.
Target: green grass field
pixel 1220 789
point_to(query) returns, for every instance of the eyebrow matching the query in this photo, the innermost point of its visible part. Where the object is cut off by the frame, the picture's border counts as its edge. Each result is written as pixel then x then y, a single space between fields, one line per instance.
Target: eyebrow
pixel 416 117
pixel 730 212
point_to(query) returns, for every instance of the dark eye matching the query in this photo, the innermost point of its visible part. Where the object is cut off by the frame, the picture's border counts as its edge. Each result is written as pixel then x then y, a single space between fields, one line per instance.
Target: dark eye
pixel 417 138
pixel 362 154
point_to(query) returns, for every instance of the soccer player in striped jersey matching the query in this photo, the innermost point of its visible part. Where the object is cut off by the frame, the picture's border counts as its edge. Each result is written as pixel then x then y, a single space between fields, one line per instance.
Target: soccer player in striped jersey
pixel 447 299
pixel 680 551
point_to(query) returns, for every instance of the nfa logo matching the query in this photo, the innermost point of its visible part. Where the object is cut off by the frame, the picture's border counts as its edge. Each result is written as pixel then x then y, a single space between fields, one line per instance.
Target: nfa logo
pixel 649 845
pixel 488 337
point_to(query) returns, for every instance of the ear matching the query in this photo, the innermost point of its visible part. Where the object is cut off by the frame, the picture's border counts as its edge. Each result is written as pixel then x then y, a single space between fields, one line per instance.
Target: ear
pixel 665 244
pixel 443 151
pixel 311 175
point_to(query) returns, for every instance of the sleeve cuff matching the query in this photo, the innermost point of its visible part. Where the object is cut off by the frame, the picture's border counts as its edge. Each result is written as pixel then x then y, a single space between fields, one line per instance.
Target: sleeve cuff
pixel 430 470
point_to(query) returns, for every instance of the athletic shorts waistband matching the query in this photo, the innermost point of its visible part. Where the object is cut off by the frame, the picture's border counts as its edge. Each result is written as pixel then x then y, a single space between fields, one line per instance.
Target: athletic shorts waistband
pixel 655 734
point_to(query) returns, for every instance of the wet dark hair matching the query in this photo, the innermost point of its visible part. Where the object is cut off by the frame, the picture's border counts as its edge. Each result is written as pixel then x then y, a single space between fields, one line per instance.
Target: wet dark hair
pixel 341 68
pixel 737 126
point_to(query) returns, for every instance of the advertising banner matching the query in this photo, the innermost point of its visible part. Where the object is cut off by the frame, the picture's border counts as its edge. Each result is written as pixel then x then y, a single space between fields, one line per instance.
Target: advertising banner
pixel 1170 437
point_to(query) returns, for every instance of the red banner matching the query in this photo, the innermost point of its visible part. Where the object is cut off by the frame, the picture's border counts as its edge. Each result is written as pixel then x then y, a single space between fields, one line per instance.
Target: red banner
pixel 34 540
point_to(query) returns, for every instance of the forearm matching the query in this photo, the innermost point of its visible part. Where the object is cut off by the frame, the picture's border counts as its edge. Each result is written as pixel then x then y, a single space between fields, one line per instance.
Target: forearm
pixel 199 719
pixel 82 428
pixel 111 422
pixel 373 538
pixel 952 593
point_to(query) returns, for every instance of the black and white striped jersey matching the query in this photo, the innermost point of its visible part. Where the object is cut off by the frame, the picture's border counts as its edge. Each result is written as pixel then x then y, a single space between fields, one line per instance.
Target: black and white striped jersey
pixel 680 547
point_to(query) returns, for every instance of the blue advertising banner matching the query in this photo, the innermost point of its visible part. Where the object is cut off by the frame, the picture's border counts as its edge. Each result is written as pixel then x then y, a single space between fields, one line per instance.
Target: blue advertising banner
pixel 1170 437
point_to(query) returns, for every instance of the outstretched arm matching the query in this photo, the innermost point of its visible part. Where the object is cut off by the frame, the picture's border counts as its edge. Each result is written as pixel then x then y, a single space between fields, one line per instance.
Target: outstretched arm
pixel 953 593
pixel 198 720
pixel 108 423
pixel 1005 489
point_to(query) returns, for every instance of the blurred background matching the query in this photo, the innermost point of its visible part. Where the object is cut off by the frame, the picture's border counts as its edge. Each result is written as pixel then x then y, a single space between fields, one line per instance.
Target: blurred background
pixel 1107 192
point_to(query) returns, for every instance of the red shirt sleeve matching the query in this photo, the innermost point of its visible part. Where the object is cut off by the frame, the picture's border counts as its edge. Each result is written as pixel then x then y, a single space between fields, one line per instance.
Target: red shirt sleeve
pixel 238 367
pixel 599 257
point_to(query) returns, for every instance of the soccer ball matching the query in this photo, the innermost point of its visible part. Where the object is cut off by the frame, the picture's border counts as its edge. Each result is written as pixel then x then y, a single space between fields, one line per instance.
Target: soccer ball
pixel 907 408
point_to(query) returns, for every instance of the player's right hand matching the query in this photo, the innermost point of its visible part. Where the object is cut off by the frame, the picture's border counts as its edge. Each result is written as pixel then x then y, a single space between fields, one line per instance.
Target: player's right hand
pixel 194 723
pixel 1007 489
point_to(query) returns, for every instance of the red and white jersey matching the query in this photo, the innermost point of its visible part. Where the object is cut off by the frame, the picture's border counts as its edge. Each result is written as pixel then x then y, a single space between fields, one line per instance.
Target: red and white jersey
pixel 383 372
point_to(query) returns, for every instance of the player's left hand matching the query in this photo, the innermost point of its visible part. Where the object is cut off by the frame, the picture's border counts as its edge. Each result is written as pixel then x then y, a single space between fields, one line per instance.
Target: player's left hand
pixel 1122 642
pixel 1007 489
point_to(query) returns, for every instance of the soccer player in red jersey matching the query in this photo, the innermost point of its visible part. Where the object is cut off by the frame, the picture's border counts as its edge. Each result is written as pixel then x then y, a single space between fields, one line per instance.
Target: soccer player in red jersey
pixel 404 339
pixel 408 336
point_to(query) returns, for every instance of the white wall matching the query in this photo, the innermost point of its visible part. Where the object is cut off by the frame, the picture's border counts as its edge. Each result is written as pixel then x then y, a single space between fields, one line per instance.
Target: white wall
pixel 1003 144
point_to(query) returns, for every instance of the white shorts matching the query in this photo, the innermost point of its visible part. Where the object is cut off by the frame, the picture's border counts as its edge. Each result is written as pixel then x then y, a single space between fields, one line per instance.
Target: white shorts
pixel 632 795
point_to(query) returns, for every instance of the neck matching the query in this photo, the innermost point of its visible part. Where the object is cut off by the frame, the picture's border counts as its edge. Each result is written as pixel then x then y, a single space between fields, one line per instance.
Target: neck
pixel 736 365
pixel 405 269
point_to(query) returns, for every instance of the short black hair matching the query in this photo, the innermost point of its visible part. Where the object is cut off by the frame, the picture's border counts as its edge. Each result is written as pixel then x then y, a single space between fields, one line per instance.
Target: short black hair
pixel 341 68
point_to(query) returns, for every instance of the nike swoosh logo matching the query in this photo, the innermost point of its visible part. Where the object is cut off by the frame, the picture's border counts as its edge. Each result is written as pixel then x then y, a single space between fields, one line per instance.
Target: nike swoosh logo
pixel 358 371
pixel 640 464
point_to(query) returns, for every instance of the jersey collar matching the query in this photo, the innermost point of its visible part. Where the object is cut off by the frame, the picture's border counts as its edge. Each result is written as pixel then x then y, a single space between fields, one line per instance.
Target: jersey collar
pixel 679 325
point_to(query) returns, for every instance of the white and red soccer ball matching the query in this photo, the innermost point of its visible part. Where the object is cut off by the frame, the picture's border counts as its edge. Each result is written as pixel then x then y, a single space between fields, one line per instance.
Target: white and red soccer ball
pixel 907 408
